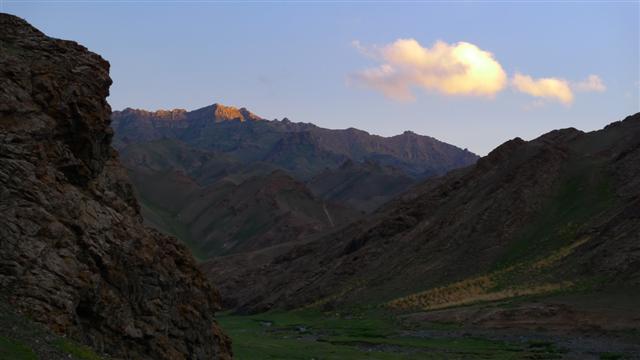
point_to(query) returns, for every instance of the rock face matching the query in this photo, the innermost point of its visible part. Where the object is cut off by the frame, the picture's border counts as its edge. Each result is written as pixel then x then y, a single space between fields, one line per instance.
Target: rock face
pixel 74 254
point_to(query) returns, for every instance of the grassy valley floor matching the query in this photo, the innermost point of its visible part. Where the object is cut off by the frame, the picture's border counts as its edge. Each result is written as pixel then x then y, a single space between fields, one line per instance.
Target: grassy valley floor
pixel 315 335
pixel 376 334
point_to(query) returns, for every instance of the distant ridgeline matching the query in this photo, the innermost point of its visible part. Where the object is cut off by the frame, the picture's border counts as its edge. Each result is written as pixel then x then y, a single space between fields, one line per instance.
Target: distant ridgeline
pixel 225 180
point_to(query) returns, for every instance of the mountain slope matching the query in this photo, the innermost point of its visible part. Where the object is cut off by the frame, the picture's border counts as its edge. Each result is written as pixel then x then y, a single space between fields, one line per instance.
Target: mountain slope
pixel 259 212
pixel 300 148
pixel 217 205
pixel 359 185
pixel 179 157
pixel 558 212
pixel 74 254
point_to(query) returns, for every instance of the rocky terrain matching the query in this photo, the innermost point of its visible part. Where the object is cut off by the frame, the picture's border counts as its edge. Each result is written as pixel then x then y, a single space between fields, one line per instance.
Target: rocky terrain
pixel 558 213
pixel 74 254
pixel 198 174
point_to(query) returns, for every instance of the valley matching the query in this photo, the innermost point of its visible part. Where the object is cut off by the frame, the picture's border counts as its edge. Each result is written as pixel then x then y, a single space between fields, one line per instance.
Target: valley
pixel 225 181
pixel 372 333
pixel 506 258
pixel 215 233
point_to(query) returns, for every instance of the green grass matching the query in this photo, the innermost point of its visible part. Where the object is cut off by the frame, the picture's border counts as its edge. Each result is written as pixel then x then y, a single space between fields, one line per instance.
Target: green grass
pixel 167 223
pixel 15 350
pixel 309 334
pixel 611 356
pixel 585 192
pixel 80 352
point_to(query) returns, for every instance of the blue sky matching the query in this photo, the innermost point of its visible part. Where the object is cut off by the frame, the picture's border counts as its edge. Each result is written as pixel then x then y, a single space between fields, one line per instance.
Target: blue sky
pixel 301 61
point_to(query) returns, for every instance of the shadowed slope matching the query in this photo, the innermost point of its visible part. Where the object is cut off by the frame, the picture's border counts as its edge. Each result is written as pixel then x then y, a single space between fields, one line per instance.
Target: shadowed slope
pixel 217 205
pixel 518 206
pixel 358 185
pixel 178 157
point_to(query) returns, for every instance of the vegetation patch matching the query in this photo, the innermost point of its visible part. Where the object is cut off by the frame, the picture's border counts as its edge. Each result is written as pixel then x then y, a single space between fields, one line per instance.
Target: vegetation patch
pixel 584 192
pixel 15 350
pixel 497 285
pixel 308 334
pixel 80 352
pixel 611 356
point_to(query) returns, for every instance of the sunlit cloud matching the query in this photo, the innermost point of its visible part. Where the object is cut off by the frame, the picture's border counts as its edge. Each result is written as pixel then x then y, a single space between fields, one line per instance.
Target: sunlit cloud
pixel 547 88
pixel 451 69
pixel 591 83
pixel 461 68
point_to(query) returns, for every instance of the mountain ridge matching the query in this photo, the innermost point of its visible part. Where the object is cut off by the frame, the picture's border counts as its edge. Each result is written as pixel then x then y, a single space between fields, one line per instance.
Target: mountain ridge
pixel 170 146
pixel 196 127
pixel 219 112
pixel 519 209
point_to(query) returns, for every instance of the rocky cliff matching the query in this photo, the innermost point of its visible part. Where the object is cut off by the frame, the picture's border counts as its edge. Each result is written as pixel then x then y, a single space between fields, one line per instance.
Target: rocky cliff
pixel 74 254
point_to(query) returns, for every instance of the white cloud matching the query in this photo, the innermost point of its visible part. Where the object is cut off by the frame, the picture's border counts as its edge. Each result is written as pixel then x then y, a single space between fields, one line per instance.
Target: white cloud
pixel 452 69
pixel 591 83
pixel 456 69
pixel 548 88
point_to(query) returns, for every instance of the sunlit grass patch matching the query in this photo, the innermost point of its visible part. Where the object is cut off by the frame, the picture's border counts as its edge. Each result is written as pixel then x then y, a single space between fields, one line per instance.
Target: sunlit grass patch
pixel 514 281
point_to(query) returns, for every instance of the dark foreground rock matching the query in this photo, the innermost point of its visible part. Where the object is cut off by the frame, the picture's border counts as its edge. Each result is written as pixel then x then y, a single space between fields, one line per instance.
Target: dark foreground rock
pixel 74 254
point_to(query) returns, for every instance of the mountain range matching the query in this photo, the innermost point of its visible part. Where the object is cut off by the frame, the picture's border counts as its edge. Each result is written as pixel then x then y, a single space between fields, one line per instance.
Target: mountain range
pixel 224 180
pixel 300 148
pixel 556 213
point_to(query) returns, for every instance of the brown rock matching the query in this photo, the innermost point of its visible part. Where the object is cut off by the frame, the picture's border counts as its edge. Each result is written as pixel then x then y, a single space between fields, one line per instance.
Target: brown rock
pixel 74 254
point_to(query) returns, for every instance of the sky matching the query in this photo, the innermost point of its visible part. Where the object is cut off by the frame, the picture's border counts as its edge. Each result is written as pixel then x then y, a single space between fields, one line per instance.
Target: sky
pixel 471 74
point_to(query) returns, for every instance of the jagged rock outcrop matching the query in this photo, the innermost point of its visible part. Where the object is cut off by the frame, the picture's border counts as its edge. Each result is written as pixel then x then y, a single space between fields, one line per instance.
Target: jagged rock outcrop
pixel 74 254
